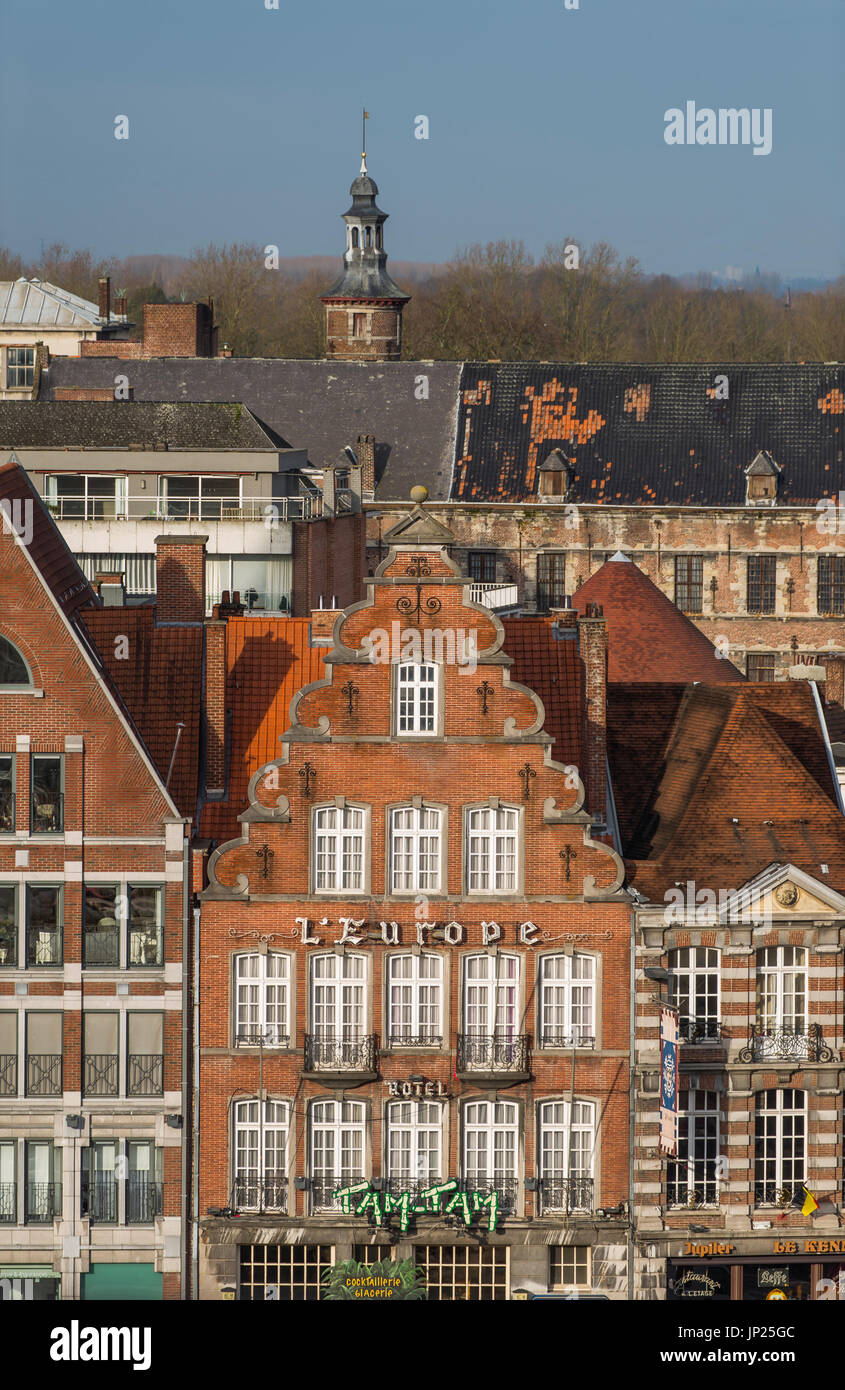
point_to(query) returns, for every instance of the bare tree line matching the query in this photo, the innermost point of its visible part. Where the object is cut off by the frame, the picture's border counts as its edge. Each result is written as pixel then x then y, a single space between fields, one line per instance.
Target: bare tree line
pixel 490 302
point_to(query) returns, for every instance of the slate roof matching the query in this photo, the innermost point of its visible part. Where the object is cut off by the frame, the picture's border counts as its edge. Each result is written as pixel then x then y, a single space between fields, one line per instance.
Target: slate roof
pixel 267 661
pixel 23 507
pixel 552 667
pixel 318 406
pixel 649 639
pixel 38 304
pixel 687 762
pixel 160 684
pixel 120 424
pixel 656 435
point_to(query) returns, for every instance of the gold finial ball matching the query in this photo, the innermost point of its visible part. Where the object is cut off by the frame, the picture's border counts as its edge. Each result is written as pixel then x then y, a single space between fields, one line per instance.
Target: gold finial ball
pixel 419 493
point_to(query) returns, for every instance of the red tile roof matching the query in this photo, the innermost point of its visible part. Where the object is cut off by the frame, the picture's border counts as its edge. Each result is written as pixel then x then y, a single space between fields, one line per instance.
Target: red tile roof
pixel 649 638
pixel 47 545
pixel 552 668
pixel 267 661
pixel 160 683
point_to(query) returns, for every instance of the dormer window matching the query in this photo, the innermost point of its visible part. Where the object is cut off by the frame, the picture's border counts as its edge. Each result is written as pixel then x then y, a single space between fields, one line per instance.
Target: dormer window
pixel 761 480
pixel 416 702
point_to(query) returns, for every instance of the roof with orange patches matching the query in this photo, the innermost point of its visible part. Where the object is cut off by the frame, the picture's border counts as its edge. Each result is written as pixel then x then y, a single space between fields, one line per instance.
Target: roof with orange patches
pixel 267 661
pixel 552 668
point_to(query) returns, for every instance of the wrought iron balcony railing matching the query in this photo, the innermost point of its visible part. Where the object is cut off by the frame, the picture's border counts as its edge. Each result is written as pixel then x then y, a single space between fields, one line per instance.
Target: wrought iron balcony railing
pixel 100 1198
pixel 44 946
pixel 574 1038
pixel 566 1194
pixel 261 1037
pixel 399 1039
pixel 43 1202
pixel 101 946
pixel 323 1189
pixel 48 813
pixel 779 1194
pixel 498 1052
pixel 145 1074
pixel 699 1030
pixel 8 1203
pixel 786 1044
pixel 8 945
pixel 339 1054
pixel 7 812
pixel 269 1193
pixel 100 1074
pixel 43 1074
pixel 144 1200
pixel 506 1187
pixel 8 1074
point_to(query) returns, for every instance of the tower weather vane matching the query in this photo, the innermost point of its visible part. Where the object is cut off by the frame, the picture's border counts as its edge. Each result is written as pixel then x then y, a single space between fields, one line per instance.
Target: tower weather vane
pixel 364 120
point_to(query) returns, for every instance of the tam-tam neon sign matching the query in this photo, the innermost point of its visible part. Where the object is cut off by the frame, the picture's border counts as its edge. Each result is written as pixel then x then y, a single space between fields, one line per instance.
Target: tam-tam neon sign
pixel 360 1199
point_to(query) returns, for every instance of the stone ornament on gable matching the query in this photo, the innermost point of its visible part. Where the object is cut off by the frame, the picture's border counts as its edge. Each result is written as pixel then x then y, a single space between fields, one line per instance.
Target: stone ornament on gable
pixel 787 894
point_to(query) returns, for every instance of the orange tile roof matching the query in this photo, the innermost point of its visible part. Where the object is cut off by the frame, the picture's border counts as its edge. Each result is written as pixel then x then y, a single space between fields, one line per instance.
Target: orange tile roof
pixel 47 546
pixel 553 669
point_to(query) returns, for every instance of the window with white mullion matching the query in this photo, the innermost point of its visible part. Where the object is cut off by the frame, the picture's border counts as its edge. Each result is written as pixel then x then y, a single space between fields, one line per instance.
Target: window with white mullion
pixel 780 1146
pixel 567 1001
pixel 782 989
pixel 260 1153
pixel 567 1147
pixel 337 1147
pixel 491 996
pixel 694 989
pixel 490 1143
pixel 415 986
pixel 416 698
pixel 339 833
pixel 691 1177
pixel 338 997
pixel 415 844
pixel 261 999
pixel 492 847
pixel 414 1130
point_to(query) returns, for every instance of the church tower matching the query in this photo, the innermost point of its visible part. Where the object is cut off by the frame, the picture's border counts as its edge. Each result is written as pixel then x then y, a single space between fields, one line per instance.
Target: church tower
pixel 364 306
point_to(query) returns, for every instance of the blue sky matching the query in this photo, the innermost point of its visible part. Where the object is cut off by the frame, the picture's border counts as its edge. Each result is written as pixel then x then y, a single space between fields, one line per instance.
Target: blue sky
pixel 545 123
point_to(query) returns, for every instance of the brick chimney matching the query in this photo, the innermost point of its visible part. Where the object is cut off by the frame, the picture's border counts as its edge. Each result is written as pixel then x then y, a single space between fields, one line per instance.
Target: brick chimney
pixel 180 579
pixel 834 680
pixel 322 622
pixel 215 706
pixel 366 451
pixel 592 641
pixel 105 298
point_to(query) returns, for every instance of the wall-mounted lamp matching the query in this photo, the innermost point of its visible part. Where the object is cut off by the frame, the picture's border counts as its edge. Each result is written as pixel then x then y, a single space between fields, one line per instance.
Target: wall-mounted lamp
pixel 175 1121
pixel 301 1184
pixel 75 1121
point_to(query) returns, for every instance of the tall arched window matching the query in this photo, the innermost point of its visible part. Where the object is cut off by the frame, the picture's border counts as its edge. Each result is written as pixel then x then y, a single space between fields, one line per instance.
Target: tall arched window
pixel 355 238
pixel 368 237
pixel 567 1142
pixel 14 670
pixel 492 848
pixel 339 846
pixel 261 999
pixel 337 1148
pixel 415 849
pixel 260 1147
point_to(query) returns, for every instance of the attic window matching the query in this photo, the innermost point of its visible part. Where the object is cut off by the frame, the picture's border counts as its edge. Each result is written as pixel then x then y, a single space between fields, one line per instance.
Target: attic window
pixel 14 670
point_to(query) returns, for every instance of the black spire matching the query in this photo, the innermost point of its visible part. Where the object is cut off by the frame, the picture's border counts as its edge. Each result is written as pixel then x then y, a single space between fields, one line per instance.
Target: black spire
pixel 364 264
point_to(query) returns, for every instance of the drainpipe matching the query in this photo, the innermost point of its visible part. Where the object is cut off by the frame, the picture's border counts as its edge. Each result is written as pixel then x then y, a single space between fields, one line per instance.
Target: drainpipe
pixel 632 1096
pixel 195 1135
pixel 186 1057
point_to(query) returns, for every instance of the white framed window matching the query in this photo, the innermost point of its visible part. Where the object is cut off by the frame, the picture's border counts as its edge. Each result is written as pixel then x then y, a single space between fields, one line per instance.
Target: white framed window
pixel 415 1000
pixel 260 1158
pixel 339 849
pixel 262 997
pixel 416 849
pixel 86 496
pixel 694 990
pixel 20 368
pixel 338 1151
pixel 567 1000
pixel 199 498
pixel 567 1148
pixel 691 1178
pixel 782 989
pixel 491 996
pixel 491 1148
pixel 416 698
pixel 414 1142
pixel 780 1138
pixel 492 848
pixel 339 997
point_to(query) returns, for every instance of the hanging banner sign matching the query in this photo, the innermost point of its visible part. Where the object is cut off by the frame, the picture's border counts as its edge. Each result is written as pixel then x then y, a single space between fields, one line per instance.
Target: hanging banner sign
pixel 668 1142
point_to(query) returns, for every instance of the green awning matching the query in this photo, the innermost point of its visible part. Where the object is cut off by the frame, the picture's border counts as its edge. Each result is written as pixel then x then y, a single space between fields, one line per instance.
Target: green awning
pixel 28 1272
pixel 132 1283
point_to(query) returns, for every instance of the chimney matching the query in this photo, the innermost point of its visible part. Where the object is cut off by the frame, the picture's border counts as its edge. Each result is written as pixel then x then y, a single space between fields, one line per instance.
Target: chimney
pixel 109 585
pixel 834 677
pixel 592 640
pixel 105 298
pixel 180 579
pixel 366 451
pixel 120 306
pixel 215 707
pixel 322 623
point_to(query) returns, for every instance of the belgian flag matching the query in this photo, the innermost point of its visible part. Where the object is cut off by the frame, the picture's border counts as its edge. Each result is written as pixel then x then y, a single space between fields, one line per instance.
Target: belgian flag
pixel 810 1203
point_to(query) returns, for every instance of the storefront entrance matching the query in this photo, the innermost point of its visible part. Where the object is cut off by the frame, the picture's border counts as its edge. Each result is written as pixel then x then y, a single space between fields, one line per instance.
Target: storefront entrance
pixel 751 1280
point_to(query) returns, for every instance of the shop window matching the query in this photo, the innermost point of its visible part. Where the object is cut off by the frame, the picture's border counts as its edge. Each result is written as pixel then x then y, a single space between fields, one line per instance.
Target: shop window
pixel 569 1266
pixel 289 1273
pixel 462 1273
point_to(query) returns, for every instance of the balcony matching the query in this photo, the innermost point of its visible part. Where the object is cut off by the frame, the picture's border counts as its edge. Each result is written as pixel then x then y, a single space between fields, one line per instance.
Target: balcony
pixel 8 1074
pixel 101 946
pixel 269 1193
pixel 566 1194
pixel 786 1044
pixel 779 1194
pixel 567 1040
pixel 700 1030
pixel 307 507
pixel 145 1074
pixel 8 1203
pixel 100 1198
pixel 341 1057
pixel 47 815
pixel 493 1057
pixel 44 946
pixel 43 1074
pixel 417 1040
pixel 144 1200
pixel 8 944
pixel 100 1074
pixel 494 596
pixel 323 1189
pixel 7 811
pixel 43 1202
pixel 506 1187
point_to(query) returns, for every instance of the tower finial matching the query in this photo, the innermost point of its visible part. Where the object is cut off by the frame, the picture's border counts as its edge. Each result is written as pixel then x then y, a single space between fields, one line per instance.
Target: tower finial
pixel 364 141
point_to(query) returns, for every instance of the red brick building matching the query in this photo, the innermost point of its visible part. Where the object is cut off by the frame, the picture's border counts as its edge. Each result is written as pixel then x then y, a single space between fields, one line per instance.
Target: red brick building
pixel 413 975
pixel 93 854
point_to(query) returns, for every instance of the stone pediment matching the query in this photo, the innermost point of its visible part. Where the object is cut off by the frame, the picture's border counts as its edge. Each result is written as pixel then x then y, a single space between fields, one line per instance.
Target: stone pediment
pixel 418 528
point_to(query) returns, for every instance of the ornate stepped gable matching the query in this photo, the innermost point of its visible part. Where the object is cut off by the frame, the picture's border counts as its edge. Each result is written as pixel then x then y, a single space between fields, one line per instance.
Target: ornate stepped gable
pixel 491 745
